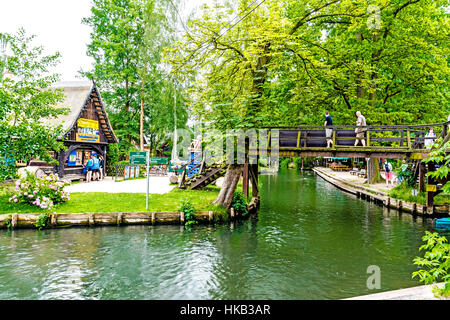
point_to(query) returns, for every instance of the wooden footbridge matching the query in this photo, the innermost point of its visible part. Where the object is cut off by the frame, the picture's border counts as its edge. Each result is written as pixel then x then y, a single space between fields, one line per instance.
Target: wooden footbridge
pixel 391 142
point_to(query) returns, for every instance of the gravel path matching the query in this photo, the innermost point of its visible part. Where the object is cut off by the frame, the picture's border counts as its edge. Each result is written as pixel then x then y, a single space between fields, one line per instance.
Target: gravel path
pixel 158 185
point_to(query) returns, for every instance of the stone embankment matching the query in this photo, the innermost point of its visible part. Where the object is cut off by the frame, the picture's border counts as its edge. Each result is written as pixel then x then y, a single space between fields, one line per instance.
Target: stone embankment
pixel 380 197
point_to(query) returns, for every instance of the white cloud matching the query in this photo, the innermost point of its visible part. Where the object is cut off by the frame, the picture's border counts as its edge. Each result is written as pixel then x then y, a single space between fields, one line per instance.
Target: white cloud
pixel 57 26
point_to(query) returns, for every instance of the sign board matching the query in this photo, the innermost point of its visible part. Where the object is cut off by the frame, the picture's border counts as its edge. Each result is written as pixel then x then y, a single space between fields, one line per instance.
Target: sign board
pixel 132 172
pixel 72 161
pixel 419 156
pixel 127 173
pixel 88 130
pixel 431 188
pixel 159 161
pixel 84 137
pixel 87 123
pixel 138 157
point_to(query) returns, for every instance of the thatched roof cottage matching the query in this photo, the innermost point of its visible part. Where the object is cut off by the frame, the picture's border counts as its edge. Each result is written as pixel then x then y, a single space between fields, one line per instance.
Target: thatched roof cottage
pixel 87 127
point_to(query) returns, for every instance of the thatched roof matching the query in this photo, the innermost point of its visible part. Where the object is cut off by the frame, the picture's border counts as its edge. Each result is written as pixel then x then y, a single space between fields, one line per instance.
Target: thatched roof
pixel 77 94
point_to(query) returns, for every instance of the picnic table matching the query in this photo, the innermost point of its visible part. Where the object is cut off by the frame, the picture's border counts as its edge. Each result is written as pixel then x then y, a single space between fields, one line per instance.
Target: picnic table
pixel 339 167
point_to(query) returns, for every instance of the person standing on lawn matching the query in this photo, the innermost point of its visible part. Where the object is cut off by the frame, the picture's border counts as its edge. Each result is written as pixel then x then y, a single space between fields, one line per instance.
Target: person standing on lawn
pixel 328 132
pixel 360 122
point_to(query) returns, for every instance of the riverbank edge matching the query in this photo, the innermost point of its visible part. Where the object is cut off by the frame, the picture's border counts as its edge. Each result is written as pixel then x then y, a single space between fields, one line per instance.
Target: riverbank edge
pixel 65 220
pixel 415 293
pixel 382 198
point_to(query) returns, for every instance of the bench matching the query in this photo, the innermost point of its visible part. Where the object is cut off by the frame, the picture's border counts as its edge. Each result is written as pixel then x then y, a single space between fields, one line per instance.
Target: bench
pixel 362 174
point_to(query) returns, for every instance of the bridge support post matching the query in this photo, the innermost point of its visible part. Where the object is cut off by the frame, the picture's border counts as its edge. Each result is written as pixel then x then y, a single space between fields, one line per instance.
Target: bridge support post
pixel 254 179
pixel 422 177
pixel 430 193
pixel 245 182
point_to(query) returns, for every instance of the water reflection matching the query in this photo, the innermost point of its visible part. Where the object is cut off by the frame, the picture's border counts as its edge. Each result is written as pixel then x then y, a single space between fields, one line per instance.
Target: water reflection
pixel 311 241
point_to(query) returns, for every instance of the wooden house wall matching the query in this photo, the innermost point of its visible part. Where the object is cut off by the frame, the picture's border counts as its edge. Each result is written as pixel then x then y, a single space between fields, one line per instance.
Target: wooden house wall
pixel 88 113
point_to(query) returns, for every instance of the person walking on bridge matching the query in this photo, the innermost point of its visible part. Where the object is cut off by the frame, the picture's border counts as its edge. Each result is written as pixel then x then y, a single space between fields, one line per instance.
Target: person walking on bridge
pixel 360 122
pixel 328 132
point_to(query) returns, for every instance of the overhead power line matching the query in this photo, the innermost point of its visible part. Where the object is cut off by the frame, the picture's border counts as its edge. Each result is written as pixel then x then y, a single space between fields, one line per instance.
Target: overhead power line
pixel 224 33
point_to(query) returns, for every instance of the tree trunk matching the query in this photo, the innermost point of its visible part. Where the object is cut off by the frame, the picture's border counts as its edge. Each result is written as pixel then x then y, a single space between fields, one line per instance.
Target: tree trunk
pixel 374 171
pixel 229 185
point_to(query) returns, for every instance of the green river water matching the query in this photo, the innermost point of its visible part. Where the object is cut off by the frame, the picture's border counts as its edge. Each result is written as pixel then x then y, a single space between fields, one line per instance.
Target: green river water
pixel 310 241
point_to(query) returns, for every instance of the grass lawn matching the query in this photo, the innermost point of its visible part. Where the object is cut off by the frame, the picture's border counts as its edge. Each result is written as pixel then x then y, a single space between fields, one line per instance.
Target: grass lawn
pixel 403 192
pixel 120 202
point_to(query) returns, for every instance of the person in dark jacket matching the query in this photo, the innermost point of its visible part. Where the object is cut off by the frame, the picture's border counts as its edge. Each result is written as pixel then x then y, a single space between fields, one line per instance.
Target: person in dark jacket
pixel 328 132
pixel 102 167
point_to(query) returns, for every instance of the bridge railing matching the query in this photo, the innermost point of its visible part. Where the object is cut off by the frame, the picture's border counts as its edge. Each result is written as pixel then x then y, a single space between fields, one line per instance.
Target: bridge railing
pixel 386 137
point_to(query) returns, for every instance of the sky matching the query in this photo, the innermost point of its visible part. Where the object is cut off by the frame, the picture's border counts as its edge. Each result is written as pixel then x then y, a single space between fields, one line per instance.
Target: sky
pixel 57 26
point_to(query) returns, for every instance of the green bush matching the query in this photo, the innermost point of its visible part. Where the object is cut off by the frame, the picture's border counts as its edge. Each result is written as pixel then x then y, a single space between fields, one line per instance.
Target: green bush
pixel 187 207
pixel 436 262
pixel 440 156
pixel 8 222
pixel 7 169
pixel 239 203
pixel 284 163
pixel 308 162
pixel 113 154
pixel 42 221
pixel 406 174
pixel 404 192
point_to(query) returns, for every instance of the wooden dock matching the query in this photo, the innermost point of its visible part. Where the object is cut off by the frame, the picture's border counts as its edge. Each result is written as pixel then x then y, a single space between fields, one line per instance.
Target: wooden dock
pixel 415 293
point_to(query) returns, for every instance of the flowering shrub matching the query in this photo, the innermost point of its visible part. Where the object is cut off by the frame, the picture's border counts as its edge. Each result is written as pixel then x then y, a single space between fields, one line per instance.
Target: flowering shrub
pixel 42 192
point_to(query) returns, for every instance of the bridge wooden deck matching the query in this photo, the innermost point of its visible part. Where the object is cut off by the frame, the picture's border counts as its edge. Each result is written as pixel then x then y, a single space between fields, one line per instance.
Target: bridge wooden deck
pixel 392 142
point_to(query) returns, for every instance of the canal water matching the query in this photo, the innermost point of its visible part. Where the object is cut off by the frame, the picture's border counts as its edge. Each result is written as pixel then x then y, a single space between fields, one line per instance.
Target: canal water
pixel 310 241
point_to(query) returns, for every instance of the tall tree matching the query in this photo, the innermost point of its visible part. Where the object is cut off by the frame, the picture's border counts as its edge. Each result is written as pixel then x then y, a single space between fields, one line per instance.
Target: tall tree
pixel 26 104
pixel 116 38
pixel 278 62
pixel 159 92
pixel 127 40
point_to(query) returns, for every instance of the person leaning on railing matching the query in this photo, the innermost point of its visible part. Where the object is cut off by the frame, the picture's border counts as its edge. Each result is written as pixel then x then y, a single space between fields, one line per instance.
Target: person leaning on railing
pixel 429 139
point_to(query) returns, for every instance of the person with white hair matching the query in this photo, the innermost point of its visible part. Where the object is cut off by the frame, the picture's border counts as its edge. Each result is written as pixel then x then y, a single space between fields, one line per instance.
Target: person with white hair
pixel 429 139
pixel 360 122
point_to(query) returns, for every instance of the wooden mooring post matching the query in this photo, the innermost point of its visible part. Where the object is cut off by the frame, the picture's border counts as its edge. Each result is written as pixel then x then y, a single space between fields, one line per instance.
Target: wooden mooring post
pixel 245 175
